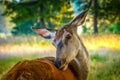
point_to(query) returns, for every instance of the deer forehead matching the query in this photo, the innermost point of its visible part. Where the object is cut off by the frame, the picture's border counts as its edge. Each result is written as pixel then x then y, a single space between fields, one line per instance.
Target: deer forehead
pixel 61 36
pixel 63 31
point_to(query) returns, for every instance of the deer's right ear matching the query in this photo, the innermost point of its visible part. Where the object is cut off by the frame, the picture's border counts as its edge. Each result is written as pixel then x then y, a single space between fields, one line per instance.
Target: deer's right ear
pixel 46 33
pixel 79 19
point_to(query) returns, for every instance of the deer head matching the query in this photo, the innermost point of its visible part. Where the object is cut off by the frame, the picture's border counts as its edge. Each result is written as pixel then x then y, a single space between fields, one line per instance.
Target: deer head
pixel 66 40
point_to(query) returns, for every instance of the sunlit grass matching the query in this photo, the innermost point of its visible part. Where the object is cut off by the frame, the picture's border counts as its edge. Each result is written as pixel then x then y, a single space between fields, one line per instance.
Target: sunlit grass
pixel 25 45
pixel 111 41
pixel 26 40
pixel 35 43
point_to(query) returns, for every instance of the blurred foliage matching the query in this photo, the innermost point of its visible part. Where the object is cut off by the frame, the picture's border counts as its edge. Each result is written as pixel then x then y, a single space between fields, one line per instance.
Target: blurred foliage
pixel 49 13
pixel 110 28
pixel 115 28
pixel 23 28
pixel 35 9
pixel 109 9
pixel 2 21
pixel 108 13
pixel 54 14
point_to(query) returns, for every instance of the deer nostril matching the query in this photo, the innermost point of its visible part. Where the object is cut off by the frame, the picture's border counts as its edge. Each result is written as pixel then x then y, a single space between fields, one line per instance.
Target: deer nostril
pixel 57 64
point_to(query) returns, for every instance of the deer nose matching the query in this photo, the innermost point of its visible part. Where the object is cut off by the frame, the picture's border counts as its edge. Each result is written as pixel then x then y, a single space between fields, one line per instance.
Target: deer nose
pixel 57 63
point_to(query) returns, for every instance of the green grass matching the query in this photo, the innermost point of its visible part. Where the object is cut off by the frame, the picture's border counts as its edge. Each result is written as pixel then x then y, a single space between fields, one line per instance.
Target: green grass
pixel 105 67
pixel 7 63
pixel 97 58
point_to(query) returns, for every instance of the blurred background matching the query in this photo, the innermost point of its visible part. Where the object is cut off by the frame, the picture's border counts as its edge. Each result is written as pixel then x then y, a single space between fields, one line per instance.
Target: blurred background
pixel 100 33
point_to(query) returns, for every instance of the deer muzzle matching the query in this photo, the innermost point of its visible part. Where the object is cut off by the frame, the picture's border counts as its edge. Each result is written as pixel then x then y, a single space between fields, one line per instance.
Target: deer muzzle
pixel 61 64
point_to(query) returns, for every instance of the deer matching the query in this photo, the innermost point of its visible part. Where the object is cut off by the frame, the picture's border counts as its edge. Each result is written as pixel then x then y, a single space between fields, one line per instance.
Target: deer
pixel 71 61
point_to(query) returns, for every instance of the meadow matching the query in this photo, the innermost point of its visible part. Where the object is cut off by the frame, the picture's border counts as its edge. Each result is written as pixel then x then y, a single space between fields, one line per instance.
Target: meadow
pixel 104 53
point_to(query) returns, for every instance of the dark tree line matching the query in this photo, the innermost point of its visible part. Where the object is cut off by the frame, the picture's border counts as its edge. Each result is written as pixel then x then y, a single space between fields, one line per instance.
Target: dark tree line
pixel 103 10
pixel 48 13
pixel 54 13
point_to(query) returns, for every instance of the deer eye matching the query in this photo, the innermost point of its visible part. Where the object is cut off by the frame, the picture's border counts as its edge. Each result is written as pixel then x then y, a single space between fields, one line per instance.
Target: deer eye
pixel 68 36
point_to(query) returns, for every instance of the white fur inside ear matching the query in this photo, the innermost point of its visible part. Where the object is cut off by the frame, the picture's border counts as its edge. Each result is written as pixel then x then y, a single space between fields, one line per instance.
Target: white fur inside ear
pixel 52 34
pixel 46 33
pixel 79 30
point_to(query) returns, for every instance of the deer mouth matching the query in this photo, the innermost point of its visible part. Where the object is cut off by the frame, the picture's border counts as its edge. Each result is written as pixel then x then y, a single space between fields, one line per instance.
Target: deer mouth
pixel 61 66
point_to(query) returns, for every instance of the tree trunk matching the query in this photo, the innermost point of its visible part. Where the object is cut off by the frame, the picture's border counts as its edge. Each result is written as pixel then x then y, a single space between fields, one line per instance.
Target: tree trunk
pixel 95 16
pixel 42 23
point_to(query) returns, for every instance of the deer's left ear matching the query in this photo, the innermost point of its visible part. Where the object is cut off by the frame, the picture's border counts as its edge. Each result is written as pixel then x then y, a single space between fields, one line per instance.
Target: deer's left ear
pixel 79 19
pixel 46 33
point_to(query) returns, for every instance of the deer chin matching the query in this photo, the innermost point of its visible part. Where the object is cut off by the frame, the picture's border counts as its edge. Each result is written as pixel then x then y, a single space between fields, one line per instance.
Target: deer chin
pixel 63 67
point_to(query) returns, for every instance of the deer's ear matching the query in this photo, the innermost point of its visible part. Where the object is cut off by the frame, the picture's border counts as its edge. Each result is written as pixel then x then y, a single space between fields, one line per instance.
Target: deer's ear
pixel 79 19
pixel 46 33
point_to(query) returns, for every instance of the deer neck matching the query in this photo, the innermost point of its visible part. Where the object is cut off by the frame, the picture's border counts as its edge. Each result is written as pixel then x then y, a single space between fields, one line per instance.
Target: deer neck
pixel 80 64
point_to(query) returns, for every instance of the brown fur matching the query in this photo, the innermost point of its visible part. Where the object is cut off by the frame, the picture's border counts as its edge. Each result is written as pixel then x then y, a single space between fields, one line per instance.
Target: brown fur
pixel 38 69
